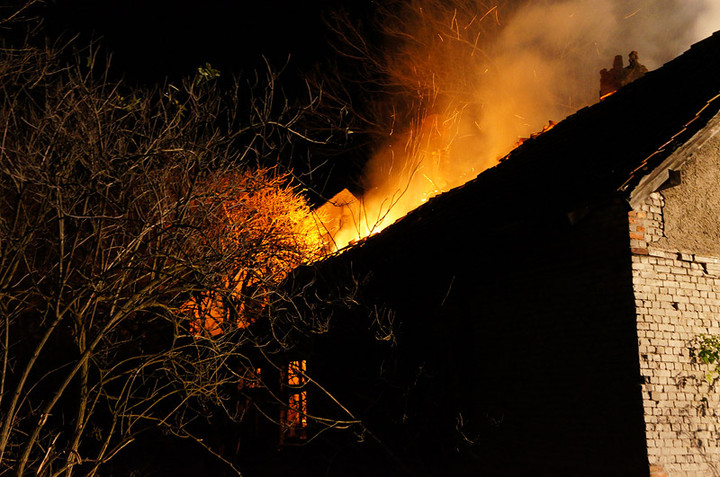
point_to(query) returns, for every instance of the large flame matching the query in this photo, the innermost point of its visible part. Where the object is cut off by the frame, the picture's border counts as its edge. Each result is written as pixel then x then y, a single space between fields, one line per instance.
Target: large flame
pixel 480 77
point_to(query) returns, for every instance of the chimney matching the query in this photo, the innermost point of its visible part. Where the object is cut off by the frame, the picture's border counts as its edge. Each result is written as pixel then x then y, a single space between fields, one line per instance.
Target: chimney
pixel 615 78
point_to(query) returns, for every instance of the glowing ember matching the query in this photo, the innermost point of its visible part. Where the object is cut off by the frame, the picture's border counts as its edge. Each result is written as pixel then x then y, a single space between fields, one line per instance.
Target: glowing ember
pixel 550 125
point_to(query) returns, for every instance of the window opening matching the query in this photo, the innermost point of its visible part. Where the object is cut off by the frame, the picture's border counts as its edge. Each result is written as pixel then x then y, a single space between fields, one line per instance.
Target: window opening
pixel 294 419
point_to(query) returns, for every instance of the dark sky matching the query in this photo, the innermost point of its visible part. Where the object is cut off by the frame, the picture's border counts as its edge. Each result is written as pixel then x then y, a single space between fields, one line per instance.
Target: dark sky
pixel 157 38
pixel 152 40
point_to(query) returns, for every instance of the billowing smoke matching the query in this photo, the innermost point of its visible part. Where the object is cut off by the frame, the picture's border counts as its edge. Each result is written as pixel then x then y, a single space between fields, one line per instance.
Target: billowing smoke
pixel 708 21
pixel 479 76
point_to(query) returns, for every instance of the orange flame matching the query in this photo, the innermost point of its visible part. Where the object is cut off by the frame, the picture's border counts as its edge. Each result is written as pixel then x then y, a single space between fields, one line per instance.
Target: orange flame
pixel 478 76
pixel 348 220
pixel 606 95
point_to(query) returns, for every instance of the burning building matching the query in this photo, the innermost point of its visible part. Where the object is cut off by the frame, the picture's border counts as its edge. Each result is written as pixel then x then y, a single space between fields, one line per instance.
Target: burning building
pixel 543 318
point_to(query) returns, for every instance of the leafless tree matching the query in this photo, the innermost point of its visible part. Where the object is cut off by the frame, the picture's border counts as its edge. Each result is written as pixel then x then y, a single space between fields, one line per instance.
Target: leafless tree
pixel 142 241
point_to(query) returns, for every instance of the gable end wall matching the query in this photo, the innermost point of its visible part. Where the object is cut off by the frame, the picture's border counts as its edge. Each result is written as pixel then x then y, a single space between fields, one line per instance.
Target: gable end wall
pixel 677 299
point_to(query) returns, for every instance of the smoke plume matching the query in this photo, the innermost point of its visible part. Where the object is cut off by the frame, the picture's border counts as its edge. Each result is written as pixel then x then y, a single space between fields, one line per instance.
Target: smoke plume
pixel 475 77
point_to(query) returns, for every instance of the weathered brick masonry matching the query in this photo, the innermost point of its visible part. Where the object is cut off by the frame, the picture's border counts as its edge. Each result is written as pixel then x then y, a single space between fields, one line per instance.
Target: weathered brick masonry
pixel 677 299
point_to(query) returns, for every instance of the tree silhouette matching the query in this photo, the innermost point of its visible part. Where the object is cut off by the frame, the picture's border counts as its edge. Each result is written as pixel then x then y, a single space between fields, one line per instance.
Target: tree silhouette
pixel 143 238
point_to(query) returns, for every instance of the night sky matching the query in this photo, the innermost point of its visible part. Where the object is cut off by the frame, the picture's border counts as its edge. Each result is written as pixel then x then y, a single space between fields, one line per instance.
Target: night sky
pixel 154 39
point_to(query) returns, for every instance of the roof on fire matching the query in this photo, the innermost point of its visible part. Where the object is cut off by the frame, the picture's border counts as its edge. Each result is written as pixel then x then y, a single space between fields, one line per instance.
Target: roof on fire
pixel 626 144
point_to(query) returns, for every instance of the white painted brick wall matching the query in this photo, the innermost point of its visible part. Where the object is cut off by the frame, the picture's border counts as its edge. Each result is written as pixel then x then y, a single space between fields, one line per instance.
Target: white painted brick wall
pixel 677 299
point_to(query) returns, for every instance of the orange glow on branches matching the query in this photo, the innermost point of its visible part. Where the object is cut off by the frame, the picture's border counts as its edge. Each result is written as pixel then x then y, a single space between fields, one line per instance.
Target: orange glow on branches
pixel 260 229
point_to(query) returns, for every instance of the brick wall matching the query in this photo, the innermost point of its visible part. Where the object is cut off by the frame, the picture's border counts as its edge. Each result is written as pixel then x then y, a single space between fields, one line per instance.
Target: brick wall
pixel 677 299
